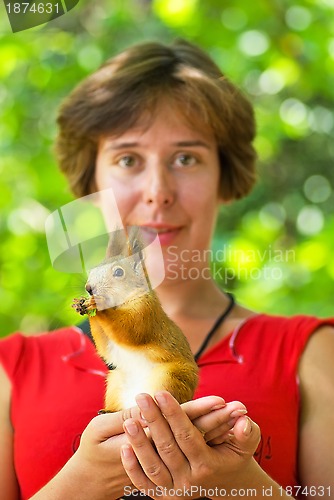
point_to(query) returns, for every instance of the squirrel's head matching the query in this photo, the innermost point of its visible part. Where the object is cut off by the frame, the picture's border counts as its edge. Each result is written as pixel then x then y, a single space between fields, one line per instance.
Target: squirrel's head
pixel 122 275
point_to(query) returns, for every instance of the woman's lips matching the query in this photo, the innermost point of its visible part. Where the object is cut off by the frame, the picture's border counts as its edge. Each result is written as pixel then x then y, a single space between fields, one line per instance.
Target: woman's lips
pixel 166 234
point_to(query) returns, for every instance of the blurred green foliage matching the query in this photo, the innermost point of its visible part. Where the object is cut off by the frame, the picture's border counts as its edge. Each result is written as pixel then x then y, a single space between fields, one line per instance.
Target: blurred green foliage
pixel 276 246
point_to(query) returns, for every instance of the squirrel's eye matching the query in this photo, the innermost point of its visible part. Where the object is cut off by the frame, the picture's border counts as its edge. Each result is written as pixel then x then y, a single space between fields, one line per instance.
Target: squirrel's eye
pixel 118 272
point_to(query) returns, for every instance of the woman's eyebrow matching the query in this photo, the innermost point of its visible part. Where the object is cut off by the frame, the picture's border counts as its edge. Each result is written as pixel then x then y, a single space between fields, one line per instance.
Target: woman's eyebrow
pixel 187 144
pixel 180 144
pixel 121 145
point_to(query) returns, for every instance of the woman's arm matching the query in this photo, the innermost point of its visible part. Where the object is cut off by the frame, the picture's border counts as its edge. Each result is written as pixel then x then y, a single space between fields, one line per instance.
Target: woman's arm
pixel 316 373
pixel 182 461
pixel 94 472
pixel 8 483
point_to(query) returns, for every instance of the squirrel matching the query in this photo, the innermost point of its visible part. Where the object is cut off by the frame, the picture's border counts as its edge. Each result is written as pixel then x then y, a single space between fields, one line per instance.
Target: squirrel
pixel 145 349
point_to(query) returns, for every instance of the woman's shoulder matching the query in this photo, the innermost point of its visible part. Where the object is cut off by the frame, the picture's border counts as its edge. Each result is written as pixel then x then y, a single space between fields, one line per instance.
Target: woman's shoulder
pixel 19 340
pixel 296 325
pixel 287 333
pixel 17 348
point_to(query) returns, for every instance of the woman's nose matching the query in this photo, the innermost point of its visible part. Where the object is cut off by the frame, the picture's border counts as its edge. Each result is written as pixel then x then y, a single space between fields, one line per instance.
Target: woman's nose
pixel 159 188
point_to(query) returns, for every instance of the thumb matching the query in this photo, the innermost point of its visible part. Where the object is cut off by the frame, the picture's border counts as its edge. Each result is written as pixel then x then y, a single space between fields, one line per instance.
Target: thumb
pixel 106 425
pixel 247 435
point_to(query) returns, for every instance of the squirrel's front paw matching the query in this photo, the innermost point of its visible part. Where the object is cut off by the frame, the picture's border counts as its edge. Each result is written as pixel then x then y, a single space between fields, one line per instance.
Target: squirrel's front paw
pixel 85 305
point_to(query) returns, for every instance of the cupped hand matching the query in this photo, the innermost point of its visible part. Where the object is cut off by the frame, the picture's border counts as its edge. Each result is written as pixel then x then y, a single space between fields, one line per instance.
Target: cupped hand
pixel 97 461
pixel 213 417
pixel 190 450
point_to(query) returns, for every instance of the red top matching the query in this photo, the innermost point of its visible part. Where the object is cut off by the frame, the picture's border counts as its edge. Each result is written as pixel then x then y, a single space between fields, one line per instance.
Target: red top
pixel 58 387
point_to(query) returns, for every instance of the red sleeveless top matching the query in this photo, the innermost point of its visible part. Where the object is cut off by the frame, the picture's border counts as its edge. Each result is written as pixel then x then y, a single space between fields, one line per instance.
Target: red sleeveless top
pixel 58 387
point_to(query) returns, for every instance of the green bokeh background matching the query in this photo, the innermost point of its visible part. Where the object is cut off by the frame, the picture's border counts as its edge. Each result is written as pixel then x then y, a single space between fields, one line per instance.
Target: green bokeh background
pixel 276 246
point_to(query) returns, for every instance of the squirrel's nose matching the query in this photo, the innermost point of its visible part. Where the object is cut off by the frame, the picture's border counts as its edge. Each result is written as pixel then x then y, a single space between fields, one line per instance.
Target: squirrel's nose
pixel 89 289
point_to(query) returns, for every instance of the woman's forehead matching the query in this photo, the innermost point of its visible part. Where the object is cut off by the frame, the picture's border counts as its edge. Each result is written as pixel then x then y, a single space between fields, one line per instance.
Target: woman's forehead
pixel 169 117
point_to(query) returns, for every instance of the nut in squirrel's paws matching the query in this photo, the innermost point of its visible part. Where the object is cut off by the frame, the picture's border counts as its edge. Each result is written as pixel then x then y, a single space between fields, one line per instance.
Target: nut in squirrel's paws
pixel 85 305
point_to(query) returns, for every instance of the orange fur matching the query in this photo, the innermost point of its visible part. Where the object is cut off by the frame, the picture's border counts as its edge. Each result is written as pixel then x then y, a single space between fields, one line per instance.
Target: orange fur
pixel 132 332
pixel 142 327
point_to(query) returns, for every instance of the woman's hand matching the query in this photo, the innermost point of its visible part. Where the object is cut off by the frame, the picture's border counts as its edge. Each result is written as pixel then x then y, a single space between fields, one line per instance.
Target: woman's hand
pixel 98 455
pixel 213 417
pixel 179 457
pixel 95 471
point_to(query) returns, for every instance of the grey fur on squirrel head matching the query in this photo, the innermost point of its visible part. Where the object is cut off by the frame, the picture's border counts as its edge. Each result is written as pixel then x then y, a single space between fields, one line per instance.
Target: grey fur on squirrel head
pixel 122 276
pixel 126 242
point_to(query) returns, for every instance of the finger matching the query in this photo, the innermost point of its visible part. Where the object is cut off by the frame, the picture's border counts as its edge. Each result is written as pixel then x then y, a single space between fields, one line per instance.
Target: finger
pixel 161 434
pixel 111 424
pixel 188 437
pixel 219 422
pixel 201 406
pixel 151 463
pixel 222 438
pixel 134 471
pixel 247 435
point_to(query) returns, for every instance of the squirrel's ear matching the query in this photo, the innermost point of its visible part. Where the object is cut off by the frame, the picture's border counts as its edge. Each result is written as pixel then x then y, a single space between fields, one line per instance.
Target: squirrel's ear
pixel 138 257
pixel 137 248
pixel 125 242
pixel 117 244
pixel 136 245
pixel 135 240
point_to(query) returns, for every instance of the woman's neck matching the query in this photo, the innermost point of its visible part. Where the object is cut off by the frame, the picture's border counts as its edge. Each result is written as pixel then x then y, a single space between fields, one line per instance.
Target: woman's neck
pixel 195 298
pixel 195 306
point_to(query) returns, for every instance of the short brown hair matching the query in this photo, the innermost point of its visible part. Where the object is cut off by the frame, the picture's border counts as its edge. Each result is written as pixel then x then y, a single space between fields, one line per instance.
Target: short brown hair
pixel 115 97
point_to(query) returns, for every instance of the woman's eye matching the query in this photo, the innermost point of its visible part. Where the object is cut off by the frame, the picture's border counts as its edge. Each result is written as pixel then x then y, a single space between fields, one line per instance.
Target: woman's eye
pixel 126 161
pixel 185 160
pixel 118 272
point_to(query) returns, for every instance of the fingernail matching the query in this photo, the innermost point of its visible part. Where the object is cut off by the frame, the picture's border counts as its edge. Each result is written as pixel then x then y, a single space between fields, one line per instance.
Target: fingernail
pixel 161 398
pixel 131 427
pixel 238 413
pixel 142 401
pixel 142 418
pixel 248 427
pixel 126 451
pixel 218 406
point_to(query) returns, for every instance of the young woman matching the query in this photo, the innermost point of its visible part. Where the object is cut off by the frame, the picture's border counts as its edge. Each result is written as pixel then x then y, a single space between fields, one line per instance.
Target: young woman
pixel 172 137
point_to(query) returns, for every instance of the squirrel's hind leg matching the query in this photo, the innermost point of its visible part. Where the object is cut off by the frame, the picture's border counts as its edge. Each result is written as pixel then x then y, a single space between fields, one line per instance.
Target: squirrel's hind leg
pixel 113 397
pixel 103 411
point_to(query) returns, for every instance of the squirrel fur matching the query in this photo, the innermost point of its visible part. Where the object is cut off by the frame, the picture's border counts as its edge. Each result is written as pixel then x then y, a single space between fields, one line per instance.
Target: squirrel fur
pixel 148 352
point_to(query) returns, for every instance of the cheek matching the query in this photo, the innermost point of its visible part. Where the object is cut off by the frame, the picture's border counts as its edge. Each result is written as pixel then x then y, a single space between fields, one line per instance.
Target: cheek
pixel 118 200
pixel 99 179
pixel 105 180
pixel 201 195
pixel 125 199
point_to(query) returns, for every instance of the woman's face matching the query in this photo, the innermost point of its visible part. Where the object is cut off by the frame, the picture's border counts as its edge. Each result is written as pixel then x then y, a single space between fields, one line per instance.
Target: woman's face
pixel 165 179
